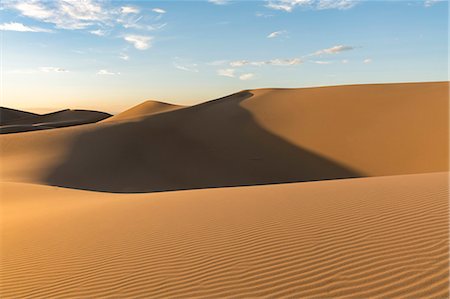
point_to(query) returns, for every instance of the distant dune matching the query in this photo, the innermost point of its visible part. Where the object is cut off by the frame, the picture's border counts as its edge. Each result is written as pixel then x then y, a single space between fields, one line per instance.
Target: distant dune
pixel 8 115
pixel 63 118
pixel 144 109
pixel 381 237
pixel 249 138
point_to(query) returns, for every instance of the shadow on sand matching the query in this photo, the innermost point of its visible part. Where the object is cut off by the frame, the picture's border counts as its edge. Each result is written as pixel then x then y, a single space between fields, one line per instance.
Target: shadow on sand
pixel 214 144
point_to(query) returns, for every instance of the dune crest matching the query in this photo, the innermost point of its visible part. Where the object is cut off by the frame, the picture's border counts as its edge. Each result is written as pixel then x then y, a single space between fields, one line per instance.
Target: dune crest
pixel 146 108
pixel 248 138
pixel 58 119
pixel 7 115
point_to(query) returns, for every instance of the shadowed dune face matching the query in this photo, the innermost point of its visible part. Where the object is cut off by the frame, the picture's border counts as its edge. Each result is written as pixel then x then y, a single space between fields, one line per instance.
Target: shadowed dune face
pixel 253 137
pixel 59 119
pixel 8 115
pixel 215 144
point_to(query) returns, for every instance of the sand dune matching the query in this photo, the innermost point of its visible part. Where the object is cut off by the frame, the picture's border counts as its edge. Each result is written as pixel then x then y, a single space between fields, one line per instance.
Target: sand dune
pixel 248 138
pixel 59 119
pixel 383 237
pixel 7 115
pixel 142 110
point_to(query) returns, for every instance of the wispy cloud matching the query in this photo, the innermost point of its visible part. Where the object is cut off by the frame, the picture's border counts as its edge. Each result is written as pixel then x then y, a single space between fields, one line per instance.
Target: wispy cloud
pixel 219 2
pixel 44 69
pixel 289 5
pixel 52 69
pixel 98 32
pixel 124 56
pixel 217 62
pixel 159 10
pixel 187 67
pixel 334 50
pixel 247 76
pixel 277 34
pixel 129 9
pixel 66 14
pixel 276 62
pixel 321 62
pixel 429 3
pixel 344 61
pixel 107 73
pixel 226 72
pixel 367 60
pixel 140 42
pixel 13 26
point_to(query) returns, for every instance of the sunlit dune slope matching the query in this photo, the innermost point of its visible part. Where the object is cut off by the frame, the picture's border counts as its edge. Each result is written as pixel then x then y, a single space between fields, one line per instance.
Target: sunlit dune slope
pixel 8 115
pixel 248 138
pixel 144 109
pixel 381 237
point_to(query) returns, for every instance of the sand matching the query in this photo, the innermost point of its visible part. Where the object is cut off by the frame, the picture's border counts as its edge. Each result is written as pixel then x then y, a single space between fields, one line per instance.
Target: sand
pixel 306 193
pixel 8 115
pixel 59 119
pixel 249 138
pixel 142 110
pixel 381 237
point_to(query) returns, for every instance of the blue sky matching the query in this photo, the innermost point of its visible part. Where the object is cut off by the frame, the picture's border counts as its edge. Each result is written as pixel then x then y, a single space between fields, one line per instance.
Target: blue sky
pixel 110 55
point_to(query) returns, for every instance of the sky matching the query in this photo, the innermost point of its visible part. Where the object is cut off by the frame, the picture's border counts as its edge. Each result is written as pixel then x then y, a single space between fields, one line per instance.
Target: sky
pixel 111 55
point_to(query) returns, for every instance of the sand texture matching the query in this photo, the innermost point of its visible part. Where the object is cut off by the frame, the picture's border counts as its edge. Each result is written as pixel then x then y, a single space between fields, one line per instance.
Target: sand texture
pixel 382 237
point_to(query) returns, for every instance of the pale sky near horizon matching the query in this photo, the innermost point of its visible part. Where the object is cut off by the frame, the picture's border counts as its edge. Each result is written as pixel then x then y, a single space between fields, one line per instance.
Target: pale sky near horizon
pixel 111 55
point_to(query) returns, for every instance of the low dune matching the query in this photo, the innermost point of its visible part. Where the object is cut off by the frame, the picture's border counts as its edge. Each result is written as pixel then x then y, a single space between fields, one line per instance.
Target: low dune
pixel 59 119
pixel 142 110
pixel 381 237
pixel 7 115
pixel 252 137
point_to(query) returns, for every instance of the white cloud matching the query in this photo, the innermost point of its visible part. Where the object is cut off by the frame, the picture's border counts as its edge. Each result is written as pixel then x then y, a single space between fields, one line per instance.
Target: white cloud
pixel 277 34
pixel 336 4
pixel 188 67
pixel 159 10
pixel 276 62
pixel 289 5
pixel 344 61
pixel 429 3
pixel 106 72
pixel 321 62
pixel 247 76
pixel 51 69
pixel 13 26
pixel 98 32
pixel 368 60
pixel 66 14
pixel 226 72
pixel 217 62
pixel 284 62
pixel 334 50
pixel 140 42
pixel 129 9
pixel 219 2
pixel 124 56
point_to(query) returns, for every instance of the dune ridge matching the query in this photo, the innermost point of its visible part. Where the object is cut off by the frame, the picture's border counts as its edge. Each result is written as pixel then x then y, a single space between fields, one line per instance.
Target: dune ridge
pixel 8 115
pixel 58 119
pixel 252 137
pixel 144 109
pixel 383 237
